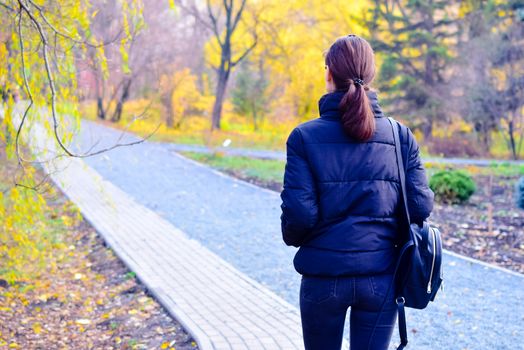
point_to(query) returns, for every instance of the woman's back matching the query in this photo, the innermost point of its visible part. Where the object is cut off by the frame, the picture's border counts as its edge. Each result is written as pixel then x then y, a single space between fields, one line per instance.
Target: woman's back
pixel 351 218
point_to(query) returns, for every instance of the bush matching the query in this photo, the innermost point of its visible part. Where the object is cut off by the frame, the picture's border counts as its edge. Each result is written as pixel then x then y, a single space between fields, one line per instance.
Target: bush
pixel 519 193
pixel 452 186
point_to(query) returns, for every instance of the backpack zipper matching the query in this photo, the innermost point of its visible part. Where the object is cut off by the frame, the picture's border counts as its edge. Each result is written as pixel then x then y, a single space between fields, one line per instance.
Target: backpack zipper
pixel 433 262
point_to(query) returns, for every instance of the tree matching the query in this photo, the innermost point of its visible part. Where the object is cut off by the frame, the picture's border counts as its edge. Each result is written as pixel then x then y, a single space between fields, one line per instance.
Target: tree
pixel 119 63
pixel 230 51
pixel 414 40
pixel 490 67
pixel 508 71
pixel 227 60
pixel 250 95
pixel 178 94
pixel 479 102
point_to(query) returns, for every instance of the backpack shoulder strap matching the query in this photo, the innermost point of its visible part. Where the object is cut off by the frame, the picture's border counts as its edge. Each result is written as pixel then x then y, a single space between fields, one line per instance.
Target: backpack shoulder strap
pixel 402 327
pixel 400 166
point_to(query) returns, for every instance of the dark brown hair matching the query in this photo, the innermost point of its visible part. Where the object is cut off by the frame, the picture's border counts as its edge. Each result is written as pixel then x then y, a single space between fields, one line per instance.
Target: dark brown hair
pixel 351 62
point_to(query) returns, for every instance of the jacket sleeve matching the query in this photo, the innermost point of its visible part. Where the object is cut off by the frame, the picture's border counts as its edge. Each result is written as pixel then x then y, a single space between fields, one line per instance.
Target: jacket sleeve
pixel 420 196
pixel 299 196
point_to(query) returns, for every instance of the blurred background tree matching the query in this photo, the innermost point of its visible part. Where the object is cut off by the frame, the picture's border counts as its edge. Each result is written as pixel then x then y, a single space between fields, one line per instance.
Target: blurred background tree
pixel 250 93
pixel 415 40
pixel 251 70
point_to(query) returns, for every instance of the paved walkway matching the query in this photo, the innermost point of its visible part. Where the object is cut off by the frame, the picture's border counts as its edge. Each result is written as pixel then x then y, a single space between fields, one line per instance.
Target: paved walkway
pixel 481 307
pixel 220 306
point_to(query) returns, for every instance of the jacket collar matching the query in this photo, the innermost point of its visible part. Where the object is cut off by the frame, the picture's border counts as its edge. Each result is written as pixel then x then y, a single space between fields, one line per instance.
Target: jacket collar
pixel 328 104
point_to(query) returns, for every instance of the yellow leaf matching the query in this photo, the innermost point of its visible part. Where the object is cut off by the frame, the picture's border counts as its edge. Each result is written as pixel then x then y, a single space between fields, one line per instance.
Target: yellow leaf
pixel 37 327
pixel 164 345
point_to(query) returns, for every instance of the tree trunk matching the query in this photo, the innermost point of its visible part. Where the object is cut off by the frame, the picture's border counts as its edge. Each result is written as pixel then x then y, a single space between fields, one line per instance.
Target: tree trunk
pixel 167 102
pixel 427 130
pixel 254 111
pixel 216 117
pixel 117 115
pixel 100 112
pixel 486 137
pixel 512 143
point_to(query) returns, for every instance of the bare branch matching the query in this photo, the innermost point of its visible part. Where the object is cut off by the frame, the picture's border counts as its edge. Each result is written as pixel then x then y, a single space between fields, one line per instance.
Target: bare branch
pixel 238 15
pixel 215 23
pixel 67 36
pixel 38 185
pixel 7 7
pixel 27 88
pixel 193 11
pixel 248 50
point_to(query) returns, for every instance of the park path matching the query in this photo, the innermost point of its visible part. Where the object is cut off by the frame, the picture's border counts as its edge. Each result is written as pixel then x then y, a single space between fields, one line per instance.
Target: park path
pixel 222 308
pixel 481 307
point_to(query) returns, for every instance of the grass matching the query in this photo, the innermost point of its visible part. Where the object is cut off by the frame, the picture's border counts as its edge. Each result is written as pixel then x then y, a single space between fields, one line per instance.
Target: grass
pixel 265 170
pixel 269 173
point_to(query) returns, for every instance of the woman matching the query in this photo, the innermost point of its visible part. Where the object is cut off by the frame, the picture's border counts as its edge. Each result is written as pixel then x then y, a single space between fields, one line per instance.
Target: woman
pixel 340 203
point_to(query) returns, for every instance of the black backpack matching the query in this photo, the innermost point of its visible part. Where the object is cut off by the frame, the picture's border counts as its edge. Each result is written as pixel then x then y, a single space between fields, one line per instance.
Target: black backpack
pixel 418 273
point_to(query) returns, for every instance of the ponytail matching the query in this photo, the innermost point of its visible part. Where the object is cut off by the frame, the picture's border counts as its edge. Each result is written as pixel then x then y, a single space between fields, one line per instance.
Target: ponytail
pixel 358 120
pixel 351 63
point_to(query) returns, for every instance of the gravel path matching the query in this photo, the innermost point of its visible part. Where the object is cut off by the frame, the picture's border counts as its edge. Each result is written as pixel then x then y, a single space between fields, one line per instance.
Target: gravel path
pixel 481 307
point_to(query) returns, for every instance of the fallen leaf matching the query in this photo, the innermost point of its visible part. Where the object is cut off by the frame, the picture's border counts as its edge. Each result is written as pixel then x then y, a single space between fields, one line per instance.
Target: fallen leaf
pixel 83 321
pixel 37 327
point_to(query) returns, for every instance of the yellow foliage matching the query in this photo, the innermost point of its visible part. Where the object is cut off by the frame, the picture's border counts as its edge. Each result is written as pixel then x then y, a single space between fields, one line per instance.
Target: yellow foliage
pixel 291 47
pixel 457 126
pixel 185 94
pixel 28 230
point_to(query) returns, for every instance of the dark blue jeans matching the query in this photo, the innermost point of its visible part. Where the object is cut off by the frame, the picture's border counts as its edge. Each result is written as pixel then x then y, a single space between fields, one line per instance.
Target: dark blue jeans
pixel 324 302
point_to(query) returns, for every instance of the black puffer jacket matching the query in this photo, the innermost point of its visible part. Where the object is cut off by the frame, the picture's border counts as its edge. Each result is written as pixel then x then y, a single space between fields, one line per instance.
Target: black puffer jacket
pixel 340 201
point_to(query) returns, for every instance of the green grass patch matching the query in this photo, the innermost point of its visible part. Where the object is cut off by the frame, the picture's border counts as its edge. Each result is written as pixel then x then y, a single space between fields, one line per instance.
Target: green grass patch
pixel 272 171
pixel 265 170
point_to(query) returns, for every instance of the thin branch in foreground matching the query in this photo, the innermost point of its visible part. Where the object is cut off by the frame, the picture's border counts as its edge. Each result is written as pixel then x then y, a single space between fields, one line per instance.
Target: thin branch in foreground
pixel 27 88
pixel 67 36
pixel 51 82
pixel 7 7
pixel 38 186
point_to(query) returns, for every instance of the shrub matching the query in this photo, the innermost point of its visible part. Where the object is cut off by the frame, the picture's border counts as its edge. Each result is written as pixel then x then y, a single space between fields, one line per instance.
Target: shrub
pixel 452 186
pixel 519 193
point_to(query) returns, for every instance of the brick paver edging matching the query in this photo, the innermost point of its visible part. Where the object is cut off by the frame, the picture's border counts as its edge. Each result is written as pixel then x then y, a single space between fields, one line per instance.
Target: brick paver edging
pixel 219 306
